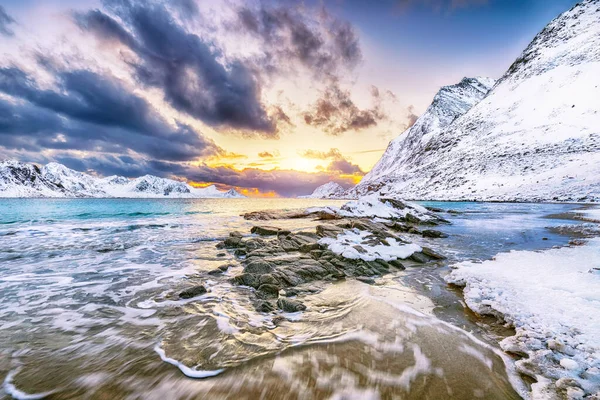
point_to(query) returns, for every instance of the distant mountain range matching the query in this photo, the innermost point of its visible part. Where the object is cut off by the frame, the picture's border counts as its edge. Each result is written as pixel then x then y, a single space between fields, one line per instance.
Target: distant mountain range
pixel 55 180
pixel 534 135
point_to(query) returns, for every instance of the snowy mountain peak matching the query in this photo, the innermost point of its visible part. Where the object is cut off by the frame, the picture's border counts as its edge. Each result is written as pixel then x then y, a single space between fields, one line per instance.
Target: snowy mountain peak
pixel 56 180
pixel 448 104
pixel 535 136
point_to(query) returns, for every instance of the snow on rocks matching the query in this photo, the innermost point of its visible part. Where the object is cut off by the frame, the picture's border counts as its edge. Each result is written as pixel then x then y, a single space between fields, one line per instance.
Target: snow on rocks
pixel 353 244
pixel 372 206
pixel 552 299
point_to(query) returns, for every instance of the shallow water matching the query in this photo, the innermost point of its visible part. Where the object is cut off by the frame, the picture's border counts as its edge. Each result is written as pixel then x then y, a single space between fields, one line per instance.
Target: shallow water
pixel 88 308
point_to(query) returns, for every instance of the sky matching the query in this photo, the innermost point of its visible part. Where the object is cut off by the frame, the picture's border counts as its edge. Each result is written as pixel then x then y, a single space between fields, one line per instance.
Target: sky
pixel 273 98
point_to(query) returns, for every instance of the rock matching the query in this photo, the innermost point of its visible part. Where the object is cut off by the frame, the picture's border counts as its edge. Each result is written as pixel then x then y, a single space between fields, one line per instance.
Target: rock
pixel 246 280
pixel 254 244
pixel 365 279
pixel 240 253
pixel 289 245
pixel 359 248
pixel 236 234
pixel 258 266
pixel 233 242
pixel 328 230
pixel 412 219
pixel 192 292
pixel 220 245
pixel 308 247
pixel 290 292
pixel 265 230
pixel 269 291
pixel 221 254
pixel 397 264
pixel 324 216
pixel 264 307
pixel 288 305
pixel 434 209
pixel 215 272
pixel 433 233
pixel 433 254
pixel 419 257
pixel 316 254
pixel 267 279
pixel 225 267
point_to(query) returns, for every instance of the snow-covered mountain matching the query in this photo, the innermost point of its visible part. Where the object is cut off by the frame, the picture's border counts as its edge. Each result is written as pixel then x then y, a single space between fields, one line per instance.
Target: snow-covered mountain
pixel 534 137
pixel 330 190
pixel 55 180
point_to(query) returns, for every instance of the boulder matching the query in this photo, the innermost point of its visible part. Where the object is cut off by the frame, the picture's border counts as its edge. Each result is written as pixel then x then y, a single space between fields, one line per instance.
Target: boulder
pixel 258 266
pixel 433 254
pixel 265 230
pixel 419 257
pixel 246 280
pixel 192 292
pixel 288 305
pixel 432 233
pixel 328 230
pixel 268 291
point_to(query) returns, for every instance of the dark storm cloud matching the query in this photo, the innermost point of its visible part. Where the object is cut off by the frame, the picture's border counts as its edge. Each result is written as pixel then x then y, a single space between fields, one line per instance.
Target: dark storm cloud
pixel 88 111
pixel 5 21
pixel 182 65
pixel 293 35
pixel 336 113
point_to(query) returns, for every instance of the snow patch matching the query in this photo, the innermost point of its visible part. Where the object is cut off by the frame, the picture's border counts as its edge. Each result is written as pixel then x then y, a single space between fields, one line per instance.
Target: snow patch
pixel 352 245
pixel 552 298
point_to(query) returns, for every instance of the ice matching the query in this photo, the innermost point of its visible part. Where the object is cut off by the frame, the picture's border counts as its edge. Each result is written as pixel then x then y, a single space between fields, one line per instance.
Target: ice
pixel 552 299
pixel 344 245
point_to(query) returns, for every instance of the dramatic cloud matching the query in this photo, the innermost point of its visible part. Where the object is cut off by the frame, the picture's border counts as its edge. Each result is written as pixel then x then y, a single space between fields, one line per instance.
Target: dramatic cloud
pixel 87 111
pixel 5 21
pixel 182 65
pixel 339 163
pixel 345 167
pixel 336 113
pixel 294 35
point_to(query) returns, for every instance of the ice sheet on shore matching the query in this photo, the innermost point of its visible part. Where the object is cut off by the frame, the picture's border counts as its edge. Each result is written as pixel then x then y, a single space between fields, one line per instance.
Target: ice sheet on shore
pixel 552 298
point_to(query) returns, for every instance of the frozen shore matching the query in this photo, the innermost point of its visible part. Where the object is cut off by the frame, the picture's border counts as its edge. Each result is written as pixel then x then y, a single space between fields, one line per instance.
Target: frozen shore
pixel 552 299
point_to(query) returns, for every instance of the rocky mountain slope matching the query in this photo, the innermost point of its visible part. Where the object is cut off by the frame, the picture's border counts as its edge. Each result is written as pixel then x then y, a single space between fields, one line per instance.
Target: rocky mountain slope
pixel 330 190
pixel 534 137
pixel 55 180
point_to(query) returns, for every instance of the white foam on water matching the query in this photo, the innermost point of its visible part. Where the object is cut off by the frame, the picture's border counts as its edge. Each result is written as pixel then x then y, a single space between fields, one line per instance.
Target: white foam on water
pixel 10 388
pixel 187 371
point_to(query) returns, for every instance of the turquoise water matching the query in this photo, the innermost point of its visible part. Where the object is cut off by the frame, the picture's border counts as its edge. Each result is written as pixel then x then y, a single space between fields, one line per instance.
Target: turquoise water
pixel 87 292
